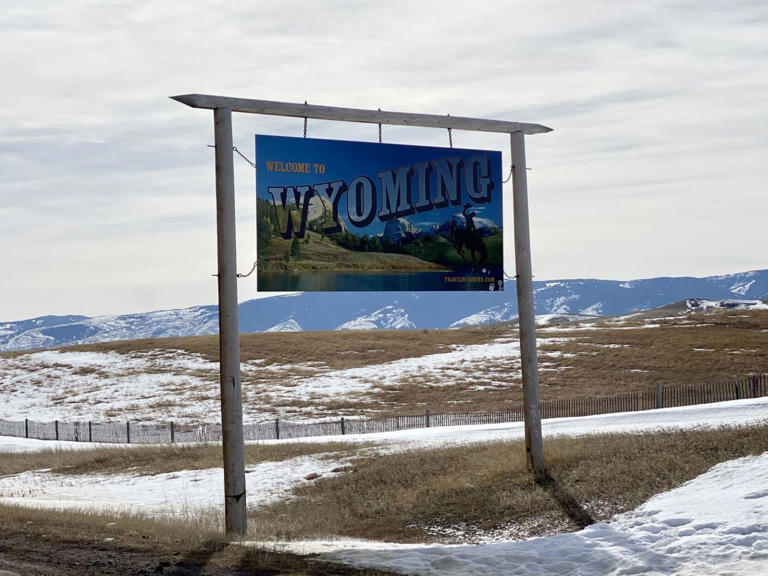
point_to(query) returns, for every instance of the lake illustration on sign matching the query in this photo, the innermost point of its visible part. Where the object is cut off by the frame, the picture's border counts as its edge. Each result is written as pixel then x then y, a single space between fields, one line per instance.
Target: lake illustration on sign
pixel 336 215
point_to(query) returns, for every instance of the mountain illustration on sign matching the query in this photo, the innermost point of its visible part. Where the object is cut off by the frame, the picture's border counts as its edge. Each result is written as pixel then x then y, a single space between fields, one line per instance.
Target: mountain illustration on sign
pixel 464 241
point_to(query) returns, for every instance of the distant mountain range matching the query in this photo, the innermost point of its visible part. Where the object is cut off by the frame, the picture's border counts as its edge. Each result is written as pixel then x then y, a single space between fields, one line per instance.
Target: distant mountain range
pixel 386 310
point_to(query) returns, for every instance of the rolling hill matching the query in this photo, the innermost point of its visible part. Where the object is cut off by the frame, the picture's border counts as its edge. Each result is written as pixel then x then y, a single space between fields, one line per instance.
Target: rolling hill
pixel 389 310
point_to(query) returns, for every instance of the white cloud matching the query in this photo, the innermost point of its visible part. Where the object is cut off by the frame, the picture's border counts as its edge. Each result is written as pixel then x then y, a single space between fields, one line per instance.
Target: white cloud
pixel 656 165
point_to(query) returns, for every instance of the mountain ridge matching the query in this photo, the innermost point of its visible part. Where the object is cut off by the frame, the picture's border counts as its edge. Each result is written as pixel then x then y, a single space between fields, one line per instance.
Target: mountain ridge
pixel 386 310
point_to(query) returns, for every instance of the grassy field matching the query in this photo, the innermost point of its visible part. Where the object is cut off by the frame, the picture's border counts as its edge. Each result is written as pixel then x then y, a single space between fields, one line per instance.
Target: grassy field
pixel 603 357
pixel 481 490
pixel 319 253
pixel 450 495
pixel 48 542
pixel 161 458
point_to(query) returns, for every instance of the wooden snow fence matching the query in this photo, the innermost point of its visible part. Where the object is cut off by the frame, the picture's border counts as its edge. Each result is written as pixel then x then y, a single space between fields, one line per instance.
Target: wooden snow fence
pixel 752 386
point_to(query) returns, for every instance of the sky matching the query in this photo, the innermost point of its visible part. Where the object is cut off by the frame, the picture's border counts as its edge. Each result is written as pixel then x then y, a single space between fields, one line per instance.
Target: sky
pixel 656 165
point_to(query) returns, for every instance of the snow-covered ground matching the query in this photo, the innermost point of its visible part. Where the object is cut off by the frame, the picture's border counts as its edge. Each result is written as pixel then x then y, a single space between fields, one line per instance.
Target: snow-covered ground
pixel 164 385
pixel 175 385
pixel 189 493
pixel 55 385
pixel 715 524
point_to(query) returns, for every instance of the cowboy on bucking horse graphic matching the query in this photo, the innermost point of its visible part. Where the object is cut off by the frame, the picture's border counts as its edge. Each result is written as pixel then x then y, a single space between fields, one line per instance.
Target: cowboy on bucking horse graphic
pixel 468 237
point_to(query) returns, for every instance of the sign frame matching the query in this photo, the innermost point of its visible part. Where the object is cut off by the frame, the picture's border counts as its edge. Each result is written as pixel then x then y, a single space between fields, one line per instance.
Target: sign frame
pixel 229 377
pixel 338 215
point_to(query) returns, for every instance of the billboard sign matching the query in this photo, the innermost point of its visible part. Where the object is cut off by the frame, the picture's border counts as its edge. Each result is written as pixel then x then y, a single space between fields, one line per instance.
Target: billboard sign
pixel 335 215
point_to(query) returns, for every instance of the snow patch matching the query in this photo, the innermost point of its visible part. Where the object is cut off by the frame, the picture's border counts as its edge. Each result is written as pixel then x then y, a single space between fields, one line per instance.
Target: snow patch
pixel 714 524
pixel 387 318
pixel 728 304
pixel 289 325
pixel 503 313
pixel 741 288
pixel 594 310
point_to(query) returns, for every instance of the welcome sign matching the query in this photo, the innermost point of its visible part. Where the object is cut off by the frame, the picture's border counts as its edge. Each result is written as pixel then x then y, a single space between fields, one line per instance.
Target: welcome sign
pixel 337 215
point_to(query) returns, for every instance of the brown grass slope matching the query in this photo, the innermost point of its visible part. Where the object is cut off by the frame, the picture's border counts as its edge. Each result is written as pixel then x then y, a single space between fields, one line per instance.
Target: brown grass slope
pixel 485 489
pixel 610 357
pixel 324 254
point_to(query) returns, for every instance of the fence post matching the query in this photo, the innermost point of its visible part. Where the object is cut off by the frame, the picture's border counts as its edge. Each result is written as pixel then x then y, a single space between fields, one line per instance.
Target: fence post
pixel 736 385
pixel 90 432
pixel 427 418
pixel 128 431
pixel 172 433
pixel 26 428
pixel 277 428
pixel 343 429
pixel 659 396
pixel 56 426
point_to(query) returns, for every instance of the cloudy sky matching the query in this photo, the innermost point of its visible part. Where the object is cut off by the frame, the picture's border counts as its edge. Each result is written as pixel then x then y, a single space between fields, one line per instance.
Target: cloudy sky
pixel 657 165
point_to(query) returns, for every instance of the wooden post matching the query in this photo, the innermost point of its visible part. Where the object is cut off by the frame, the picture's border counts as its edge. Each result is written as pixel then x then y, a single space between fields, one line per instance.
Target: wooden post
pixel 172 433
pixel 229 335
pixel 343 428
pixel 427 418
pixel 90 432
pixel 659 396
pixel 277 428
pixel 298 110
pixel 56 426
pixel 534 447
pixel 26 428
pixel 128 431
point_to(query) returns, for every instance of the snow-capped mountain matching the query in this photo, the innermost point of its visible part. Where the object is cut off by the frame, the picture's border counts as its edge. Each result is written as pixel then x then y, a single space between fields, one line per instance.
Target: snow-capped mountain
pixel 289 325
pixel 54 331
pixel 400 230
pixel 388 318
pixel 389 310
pixel 319 214
pixel 496 314
pixel 485 226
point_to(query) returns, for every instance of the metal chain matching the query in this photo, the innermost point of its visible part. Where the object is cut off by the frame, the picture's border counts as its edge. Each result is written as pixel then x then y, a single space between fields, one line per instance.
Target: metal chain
pixel 508 178
pixel 511 159
pixel 249 273
pixel 305 122
pixel 253 164
pixel 379 129
pixel 511 164
pixel 243 156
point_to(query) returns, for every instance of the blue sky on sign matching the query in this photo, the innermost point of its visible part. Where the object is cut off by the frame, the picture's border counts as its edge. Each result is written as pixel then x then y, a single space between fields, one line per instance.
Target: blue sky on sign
pixel 656 165
pixel 344 160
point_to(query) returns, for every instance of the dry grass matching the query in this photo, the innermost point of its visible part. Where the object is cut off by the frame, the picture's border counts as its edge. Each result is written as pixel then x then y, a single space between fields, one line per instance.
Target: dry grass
pixel 337 350
pixel 79 543
pixel 146 460
pixel 413 496
pixel 671 354
pixel 609 358
pixel 320 253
